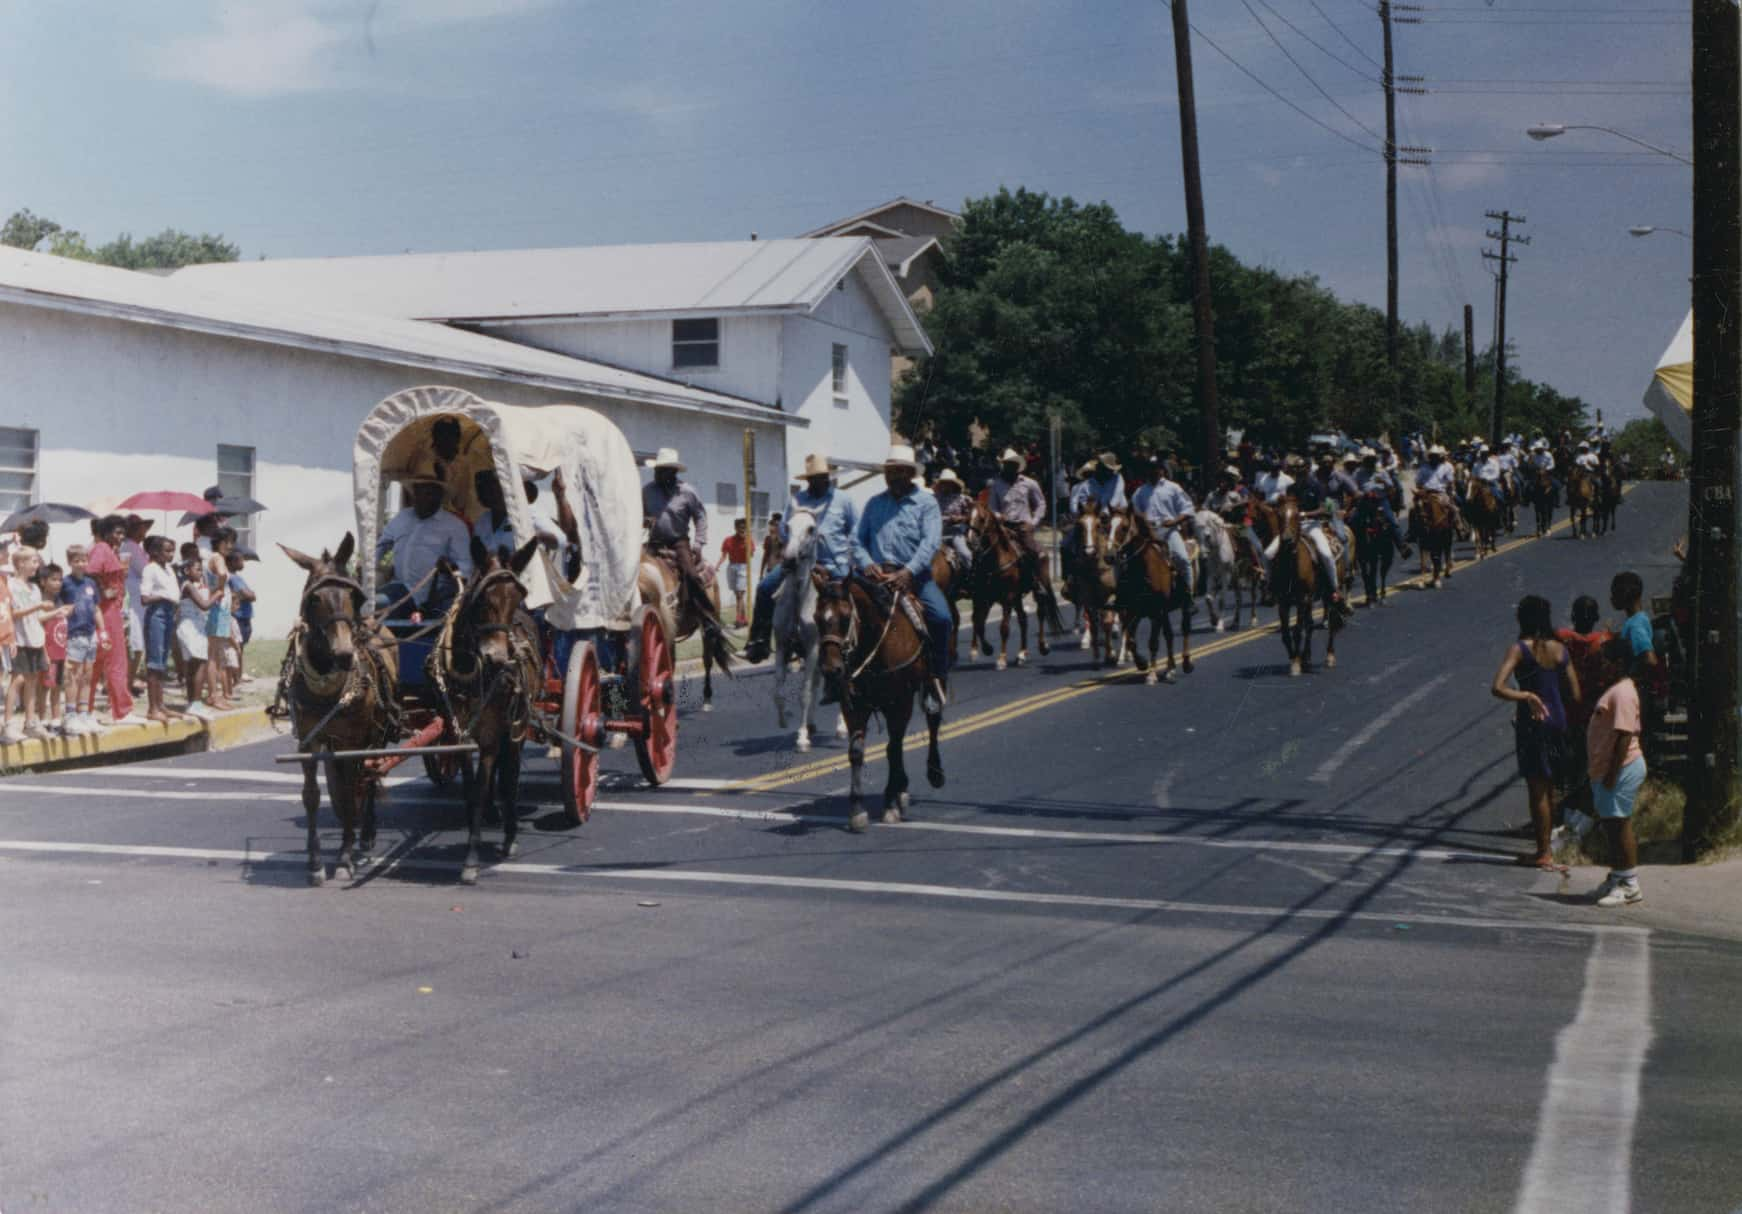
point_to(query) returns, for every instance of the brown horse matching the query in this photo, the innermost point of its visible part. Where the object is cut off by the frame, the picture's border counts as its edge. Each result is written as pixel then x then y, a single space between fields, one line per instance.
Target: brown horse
pixel 340 685
pixel 1294 578
pixel 1094 578
pixel 488 666
pixel 1001 577
pixel 1581 501
pixel 875 656
pixel 1540 492
pixel 1608 495
pixel 1148 590
pixel 684 614
pixel 1433 520
pixel 1486 516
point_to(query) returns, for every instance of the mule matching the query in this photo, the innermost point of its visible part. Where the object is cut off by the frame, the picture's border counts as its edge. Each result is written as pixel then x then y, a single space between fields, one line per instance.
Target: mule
pixel 341 686
pixel 1001 578
pixel 1294 579
pixel 876 656
pixel 1581 501
pixel 684 614
pixel 795 626
pixel 1149 590
pixel 1373 546
pixel 1093 579
pixel 1486 516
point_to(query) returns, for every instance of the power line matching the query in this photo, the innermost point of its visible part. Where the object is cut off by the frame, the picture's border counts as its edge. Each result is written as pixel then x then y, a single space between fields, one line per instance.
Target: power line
pixel 1309 77
pixel 1322 48
pixel 1358 47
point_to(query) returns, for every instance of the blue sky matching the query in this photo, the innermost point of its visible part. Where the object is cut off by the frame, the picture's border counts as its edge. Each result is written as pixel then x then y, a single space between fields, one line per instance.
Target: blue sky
pixel 311 127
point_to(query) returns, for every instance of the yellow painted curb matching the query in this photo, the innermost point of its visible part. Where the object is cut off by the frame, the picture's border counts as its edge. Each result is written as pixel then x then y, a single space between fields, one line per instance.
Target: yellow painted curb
pixel 126 741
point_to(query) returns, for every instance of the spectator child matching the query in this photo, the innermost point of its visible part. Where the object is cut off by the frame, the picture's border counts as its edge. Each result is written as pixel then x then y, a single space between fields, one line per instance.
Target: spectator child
pixel 29 613
pixel 242 612
pixel 220 656
pixel 190 629
pixel 1616 765
pixel 736 549
pixel 134 559
pixel 159 592
pixel 49 703
pixel 8 637
pixel 1585 643
pixel 85 635
pixel 1539 662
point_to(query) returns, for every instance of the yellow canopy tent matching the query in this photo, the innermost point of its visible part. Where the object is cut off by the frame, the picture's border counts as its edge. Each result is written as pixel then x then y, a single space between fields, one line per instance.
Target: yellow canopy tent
pixel 1670 398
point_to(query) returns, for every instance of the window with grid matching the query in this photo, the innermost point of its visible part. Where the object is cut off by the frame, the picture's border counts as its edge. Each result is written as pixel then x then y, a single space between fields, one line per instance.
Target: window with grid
pixel 840 370
pixel 17 469
pixel 695 343
pixel 758 512
pixel 726 496
pixel 236 479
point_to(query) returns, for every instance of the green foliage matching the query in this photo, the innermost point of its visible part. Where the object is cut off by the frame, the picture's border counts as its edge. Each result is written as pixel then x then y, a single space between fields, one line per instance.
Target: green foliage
pixel 1642 440
pixel 1050 306
pixel 167 250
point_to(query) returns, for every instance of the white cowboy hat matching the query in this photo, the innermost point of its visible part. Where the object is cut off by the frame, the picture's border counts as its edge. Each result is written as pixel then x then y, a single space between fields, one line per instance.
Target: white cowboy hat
pixel 948 474
pixel 1351 457
pixel 667 458
pixel 1108 460
pixel 1010 457
pixel 1232 473
pixel 429 472
pixel 1087 470
pixel 817 465
pixel 900 456
pixel 1584 446
pixel 1368 453
pixel 1436 449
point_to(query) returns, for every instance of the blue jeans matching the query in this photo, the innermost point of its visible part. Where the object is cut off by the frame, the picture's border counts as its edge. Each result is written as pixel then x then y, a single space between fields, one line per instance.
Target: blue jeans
pixel 159 628
pixel 763 609
pixel 1390 517
pixel 937 623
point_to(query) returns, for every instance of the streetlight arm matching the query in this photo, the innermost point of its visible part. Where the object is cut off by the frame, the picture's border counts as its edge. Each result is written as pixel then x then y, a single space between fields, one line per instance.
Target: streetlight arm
pixel 1634 139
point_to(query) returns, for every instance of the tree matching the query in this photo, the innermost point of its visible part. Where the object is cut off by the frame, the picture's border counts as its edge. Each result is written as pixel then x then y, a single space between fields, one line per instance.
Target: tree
pixel 1643 441
pixel 167 250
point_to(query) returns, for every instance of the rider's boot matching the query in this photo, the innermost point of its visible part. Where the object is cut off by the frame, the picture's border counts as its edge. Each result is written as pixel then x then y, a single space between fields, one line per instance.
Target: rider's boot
pixel 757 648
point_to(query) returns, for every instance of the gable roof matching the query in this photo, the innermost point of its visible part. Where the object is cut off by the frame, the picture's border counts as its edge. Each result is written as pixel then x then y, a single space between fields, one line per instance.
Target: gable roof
pixel 599 282
pixel 870 215
pixel 900 252
pixel 42 280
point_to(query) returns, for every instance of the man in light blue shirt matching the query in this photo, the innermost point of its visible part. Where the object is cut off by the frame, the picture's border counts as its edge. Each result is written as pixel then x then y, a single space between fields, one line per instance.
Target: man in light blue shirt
pixel 901 527
pixel 836 520
pixel 419 536
pixel 1103 490
pixel 1166 507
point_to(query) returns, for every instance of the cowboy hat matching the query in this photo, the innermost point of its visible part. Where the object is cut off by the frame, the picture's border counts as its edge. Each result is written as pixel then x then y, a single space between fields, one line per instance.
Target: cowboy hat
pixel 1108 460
pixel 1231 473
pixel 900 456
pixel 429 472
pixel 949 475
pixel 1010 457
pixel 1368 453
pixel 816 464
pixel 667 458
pixel 1293 461
pixel 1436 449
pixel 1087 470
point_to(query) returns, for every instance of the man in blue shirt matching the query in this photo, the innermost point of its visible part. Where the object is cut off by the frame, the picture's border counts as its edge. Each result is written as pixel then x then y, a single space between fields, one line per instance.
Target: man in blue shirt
pixel 901 527
pixel 836 518
pixel 1167 508
pixel 1103 490
pixel 1371 478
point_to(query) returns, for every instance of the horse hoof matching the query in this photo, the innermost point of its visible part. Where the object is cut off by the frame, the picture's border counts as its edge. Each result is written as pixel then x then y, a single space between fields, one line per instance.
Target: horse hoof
pixel 469 875
pixel 509 851
pixel 1022 658
pixel 707 706
pixel 1001 664
pixel 1045 649
pixel 1149 679
pixel 343 872
pixel 1186 665
pixel 859 822
pixel 802 745
pixel 1221 627
pixel 1085 642
pixel 985 649
pixel 934 775
pixel 317 877
pixel 1294 669
pixel 1330 661
pixel 1170 677
pixel 892 816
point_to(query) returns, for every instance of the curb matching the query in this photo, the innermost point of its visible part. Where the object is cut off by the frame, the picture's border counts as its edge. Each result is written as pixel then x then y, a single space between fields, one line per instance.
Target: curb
pixel 132 742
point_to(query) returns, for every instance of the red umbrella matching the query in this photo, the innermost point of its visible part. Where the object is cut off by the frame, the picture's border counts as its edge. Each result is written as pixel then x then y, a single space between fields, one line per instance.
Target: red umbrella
pixel 166 499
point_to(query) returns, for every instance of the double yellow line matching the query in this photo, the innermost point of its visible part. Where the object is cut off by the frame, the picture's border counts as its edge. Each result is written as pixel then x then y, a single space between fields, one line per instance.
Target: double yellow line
pixel 1028 705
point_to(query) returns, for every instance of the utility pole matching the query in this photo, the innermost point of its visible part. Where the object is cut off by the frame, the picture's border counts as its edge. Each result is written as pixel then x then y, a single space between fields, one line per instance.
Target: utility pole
pixel 1388 82
pixel 1469 355
pixel 1202 312
pixel 1712 517
pixel 1497 417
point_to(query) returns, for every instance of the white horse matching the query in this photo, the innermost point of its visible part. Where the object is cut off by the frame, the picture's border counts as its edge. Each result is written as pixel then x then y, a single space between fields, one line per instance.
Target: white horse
pixel 795 624
pixel 1222 570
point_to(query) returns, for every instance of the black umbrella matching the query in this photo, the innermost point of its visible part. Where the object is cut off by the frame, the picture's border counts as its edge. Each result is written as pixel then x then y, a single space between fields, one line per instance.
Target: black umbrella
pixel 225 506
pixel 46 512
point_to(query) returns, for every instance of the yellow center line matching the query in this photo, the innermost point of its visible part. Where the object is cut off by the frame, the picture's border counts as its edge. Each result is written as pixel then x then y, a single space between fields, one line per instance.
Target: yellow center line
pixel 1027 705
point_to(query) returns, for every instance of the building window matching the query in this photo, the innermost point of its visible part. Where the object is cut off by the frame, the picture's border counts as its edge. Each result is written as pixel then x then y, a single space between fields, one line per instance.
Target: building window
pixel 726 496
pixel 840 370
pixel 17 469
pixel 695 343
pixel 758 511
pixel 236 479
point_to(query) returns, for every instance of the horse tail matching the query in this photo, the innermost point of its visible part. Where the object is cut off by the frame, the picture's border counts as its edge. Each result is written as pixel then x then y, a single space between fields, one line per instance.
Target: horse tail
pixel 1046 602
pixel 719 649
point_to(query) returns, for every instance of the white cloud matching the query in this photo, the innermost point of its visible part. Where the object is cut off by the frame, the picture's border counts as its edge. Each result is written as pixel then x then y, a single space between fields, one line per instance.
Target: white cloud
pixel 1271 177
pixel 270 47
pixel 1463 174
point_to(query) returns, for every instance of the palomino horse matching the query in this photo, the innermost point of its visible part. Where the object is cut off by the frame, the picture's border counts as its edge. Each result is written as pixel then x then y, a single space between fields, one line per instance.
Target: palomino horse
pixel 875 653
pixel 1148 590
pixel 1433 520
pixel 1581 501
pixel 661 583
pixel 487 666
pixel 1093 578
pixel 341 685
pixel 1294 580
pixel 1225 567
pixel 1486 516
pixel 1000 578
pixel 1540 493
pixel 1372 546
pixel 1608 494
pixel 795 625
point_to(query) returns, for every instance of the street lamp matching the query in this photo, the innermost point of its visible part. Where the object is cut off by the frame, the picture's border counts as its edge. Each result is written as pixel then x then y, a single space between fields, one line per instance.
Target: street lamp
pixel 1548 130
pixel 1646 229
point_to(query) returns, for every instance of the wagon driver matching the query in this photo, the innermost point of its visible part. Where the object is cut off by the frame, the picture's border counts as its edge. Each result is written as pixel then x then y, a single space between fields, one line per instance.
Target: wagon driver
pixel 419 536
pixel 836 517
pixel 672 508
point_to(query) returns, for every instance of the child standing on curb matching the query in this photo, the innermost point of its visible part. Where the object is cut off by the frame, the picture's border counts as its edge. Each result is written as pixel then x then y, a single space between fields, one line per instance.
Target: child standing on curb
pixel 242 612
pixel 85 635
pixel 50 697
pixel 1617 771
pixel 159 592
pixel 28 663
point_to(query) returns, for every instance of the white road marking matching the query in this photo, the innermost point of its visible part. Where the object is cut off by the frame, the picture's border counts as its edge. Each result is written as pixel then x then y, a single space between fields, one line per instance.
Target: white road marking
pixel 1329 767
pixel 1384 676
pixel 194 774
pixel 625 782
pixel 1582 1157
pixel 1352 850
pixel 684 876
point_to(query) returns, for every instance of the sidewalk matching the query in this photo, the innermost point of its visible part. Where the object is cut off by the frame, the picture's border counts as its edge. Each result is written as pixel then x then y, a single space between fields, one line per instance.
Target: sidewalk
pixel 1699 899
pixel 122 743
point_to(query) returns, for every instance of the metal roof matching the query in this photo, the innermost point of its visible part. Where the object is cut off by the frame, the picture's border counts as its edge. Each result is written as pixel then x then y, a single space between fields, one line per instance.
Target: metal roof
pixel 592 282
pixel 901 200
pixel 195 303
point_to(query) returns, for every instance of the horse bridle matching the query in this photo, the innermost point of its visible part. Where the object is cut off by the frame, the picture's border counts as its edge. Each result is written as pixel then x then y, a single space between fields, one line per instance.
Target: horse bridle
pixel 475 596
pixel 851 640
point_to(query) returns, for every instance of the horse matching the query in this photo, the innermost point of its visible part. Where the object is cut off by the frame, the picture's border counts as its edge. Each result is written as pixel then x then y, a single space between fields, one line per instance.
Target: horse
pixel 1581 501
pixel 1541 496
pixel 487 666
pixel 1093 578
pixel 661 583
pixel 1294 579
pixel 874 652
pixel 999 577
pixel 795 627
pixel 1485 515
pixel 1432 518
pixel 1147 591
pixel 1608 499
pixel 1223 568
pixel 340 683
pixel 1373 547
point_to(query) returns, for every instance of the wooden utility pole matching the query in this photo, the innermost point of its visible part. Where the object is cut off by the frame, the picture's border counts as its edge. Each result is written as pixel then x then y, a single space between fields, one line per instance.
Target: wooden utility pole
pixel 1202 312
pixel 1712 516
pixel 1497 416
pixel 1469 355
pixel 1389 83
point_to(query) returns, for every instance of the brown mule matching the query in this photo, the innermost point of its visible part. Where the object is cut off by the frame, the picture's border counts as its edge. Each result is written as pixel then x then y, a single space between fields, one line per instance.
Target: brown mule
pixel 1147 590
pixel 1485 515
pixel 662 583
pixel 876 658
pixel 1581 501
pixel 1093 578
pixel 1294 577
pixel 340 685
pixel 1000 578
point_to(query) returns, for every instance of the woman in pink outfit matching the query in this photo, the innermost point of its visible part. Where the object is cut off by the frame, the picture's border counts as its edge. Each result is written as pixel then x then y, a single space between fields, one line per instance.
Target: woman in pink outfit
pixel 111 574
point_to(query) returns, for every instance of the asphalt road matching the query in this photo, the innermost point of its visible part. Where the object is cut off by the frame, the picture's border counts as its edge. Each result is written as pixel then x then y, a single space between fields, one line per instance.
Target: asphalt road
pixel 1245 942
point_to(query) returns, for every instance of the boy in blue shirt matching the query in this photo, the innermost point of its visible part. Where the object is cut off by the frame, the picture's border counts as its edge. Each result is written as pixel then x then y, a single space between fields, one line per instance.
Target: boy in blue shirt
pixel 242 611
pixel 1626 593
pixel 85 633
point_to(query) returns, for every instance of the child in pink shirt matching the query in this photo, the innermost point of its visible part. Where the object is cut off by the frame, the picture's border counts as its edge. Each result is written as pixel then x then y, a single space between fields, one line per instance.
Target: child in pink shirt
pixel 1616 765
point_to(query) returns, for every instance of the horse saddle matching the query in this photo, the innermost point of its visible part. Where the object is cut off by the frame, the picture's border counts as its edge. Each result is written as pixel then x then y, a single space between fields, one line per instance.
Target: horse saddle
pixel 1193 550
pixel 882 596
pixel 1334 543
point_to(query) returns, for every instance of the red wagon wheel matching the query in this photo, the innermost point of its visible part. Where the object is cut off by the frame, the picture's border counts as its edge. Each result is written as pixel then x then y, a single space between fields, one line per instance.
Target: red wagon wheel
pixel 655 673
pixel 583 717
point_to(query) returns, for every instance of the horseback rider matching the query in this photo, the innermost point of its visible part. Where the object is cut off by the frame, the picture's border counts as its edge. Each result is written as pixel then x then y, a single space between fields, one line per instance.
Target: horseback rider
pixel 1370 478
pixel 419 537
pixel 1016 499
pixel 1438 476
pixel 1272 482
pixel 1586 458
pixel 1080 488
pixel 1338 484
pixel 1486 468
pixel 954 512
pixel 1167 508
pixel 901 527
pixel 1314 511
pixel 1102 491
pixel 672 508
pixel 1507 457
pixel 836 517
pixel 1229 498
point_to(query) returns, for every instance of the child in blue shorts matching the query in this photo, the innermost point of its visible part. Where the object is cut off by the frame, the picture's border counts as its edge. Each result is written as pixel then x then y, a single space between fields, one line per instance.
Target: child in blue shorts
pixel 160 595
pixel 1616 764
